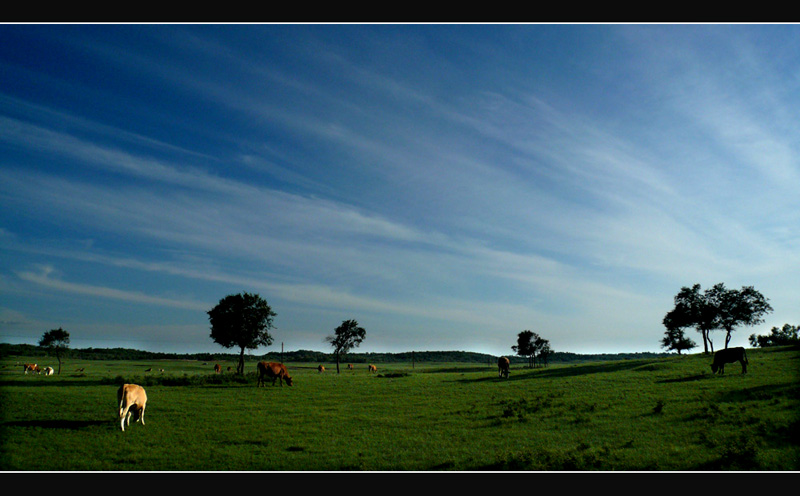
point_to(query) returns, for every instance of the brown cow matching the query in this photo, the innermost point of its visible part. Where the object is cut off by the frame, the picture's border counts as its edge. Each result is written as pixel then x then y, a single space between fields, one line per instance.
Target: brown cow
pixel 729 355
pixel 273 370
pixel 372 368
pixel 349 366
pixel 503 365
pixel 217 368
pixel 132 400
pixel 321 368
pixel 29 366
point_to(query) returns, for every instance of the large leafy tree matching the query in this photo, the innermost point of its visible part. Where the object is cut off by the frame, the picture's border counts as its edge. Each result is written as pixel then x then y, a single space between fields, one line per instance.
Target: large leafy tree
pixel 347 336
pixel 242 320
pixel 738 307
pixel 693 308
pixel 716 308
pixel 56 340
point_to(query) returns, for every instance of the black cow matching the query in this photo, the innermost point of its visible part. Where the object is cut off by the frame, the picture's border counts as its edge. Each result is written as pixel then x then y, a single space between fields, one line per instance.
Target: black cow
pixel 729 355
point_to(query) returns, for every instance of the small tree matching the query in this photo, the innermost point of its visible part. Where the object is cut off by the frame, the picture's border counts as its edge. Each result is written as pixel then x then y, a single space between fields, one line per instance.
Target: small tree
pixel 675 339
pixel 347 336
pixel 544 350
pixel 786 335
pixel 525 346
pixel 242 320
pixel 56 340
pixel 530 345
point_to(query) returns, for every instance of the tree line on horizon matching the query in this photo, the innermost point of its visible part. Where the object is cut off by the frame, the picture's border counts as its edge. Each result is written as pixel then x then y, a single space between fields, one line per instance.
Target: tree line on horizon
pixel 8 350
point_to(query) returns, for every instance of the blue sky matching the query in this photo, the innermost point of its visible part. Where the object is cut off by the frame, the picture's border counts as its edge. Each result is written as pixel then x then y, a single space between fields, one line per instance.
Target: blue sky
pixel 447 186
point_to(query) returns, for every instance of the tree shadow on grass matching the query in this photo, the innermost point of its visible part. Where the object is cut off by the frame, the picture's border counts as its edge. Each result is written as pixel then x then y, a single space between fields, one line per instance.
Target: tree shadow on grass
pixel 59 424
pixel 520 374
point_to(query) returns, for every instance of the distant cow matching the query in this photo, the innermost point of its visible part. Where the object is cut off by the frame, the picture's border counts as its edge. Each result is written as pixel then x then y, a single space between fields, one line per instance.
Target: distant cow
pixel 349 366
pixel 729 355
pixel 149 370
pixel 372 368
pixel 274 371
pixel 321 368
pixel 217 368
pixel 503 365
pixel 48 371
pixel 29 366
pixel 80 369
pixel 132 400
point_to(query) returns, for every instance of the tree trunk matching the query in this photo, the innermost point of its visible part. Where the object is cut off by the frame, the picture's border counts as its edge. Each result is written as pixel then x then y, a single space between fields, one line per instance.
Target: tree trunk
pixel 337 363
pixel 240 367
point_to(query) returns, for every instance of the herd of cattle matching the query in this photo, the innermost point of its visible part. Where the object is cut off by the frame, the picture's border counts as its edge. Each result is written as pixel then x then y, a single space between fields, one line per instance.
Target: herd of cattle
pixel 132 398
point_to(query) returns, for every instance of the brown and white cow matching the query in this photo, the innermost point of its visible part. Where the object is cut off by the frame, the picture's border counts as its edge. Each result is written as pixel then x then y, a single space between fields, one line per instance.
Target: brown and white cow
pixel 321 368
pixel 49 371
pixel 35 369
pixel 349 366
pixel 272 370
pixel 372 368
pixel 217 368
pixel 132 400
pixel 503 365
pixel 729 355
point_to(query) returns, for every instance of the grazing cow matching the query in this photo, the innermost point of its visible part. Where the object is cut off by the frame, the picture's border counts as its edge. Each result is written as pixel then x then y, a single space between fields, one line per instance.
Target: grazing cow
pixel 217 368
pixel 372 368
pixel 729 355
pixel 273 370
pixel 132 400
pixel 321 369
pixel 29 366
pixel 503 365
pixel 349 366
pixel 48 371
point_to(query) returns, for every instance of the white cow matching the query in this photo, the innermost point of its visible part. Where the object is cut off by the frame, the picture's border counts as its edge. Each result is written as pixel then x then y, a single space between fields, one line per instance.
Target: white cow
pixel 132 400
pixel 48 371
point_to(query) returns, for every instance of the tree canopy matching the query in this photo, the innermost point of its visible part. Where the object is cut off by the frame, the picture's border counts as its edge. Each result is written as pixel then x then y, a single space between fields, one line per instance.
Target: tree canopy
pixel 530 345
pixel 716 308
pixel 241 320
pixel 56 340
pixel 346 337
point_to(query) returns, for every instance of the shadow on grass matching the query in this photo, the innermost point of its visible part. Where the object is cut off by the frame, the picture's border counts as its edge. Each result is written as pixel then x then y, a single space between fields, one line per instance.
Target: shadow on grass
pixel 525 374
pixel 60 424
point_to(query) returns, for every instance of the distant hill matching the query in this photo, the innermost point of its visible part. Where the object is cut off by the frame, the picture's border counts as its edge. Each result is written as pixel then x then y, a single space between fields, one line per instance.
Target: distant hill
pixel 28 350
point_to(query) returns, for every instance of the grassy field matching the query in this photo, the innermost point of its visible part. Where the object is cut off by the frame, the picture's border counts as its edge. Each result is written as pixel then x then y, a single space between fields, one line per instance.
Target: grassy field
pixel 634 415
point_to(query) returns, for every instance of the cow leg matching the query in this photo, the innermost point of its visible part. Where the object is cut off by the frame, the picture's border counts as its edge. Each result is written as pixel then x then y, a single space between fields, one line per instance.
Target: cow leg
pixel 141 415
pixel 744 367
pixel 124 413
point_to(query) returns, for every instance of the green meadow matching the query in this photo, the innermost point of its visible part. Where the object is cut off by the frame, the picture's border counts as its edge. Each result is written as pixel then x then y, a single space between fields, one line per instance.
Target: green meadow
pixel 659 414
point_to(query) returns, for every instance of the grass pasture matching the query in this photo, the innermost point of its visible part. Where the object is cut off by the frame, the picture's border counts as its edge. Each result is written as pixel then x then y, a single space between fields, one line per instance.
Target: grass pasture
pixel 635 415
